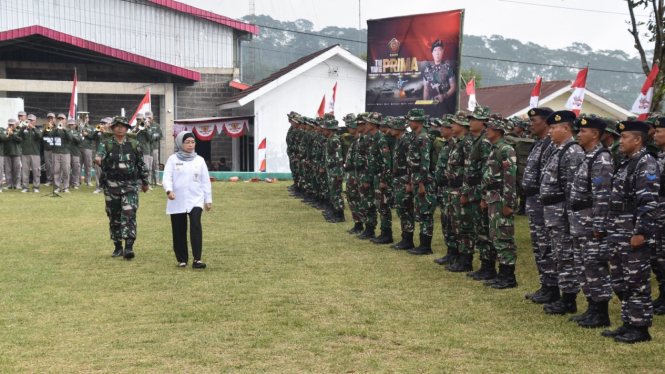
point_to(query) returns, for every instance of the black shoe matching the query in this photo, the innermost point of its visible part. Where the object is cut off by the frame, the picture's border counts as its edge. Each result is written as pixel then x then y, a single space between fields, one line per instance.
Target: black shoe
pixel 660 310
pixel 398 243
pixel 425 247
pixel 129 249
pixel 197 264
pixel 340 216
pixel 589 312
pixel 549 295
pixel 368 233
pixel 661 297
pixel 599 316
pixel 619 331
pixel 487 271
pixel 449 258
pixel 118 249
pixel 539 292
pixel 567 304
pixel 464 263
pixel 356 229
pixel 406 243
pixel 386 237
pixel 508 280
pixel 634 334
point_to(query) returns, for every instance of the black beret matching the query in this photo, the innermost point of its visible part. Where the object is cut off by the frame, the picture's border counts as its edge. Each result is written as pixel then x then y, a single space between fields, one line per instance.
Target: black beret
pixel 659 123
pixel 633 126
pixel 543 111
pixel 561 116
pixel 592 123
pixel 437 43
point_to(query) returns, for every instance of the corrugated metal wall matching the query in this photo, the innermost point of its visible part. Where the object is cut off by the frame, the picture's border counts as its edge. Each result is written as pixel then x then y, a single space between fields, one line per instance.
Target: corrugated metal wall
pixel 134 26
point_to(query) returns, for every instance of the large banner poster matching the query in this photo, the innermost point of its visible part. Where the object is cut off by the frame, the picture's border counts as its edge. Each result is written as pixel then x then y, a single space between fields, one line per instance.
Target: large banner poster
pixel 413 62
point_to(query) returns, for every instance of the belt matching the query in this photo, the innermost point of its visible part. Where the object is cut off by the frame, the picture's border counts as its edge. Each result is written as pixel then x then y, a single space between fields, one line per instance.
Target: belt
pixel 622 206
pixel 533 191
pixel 581 205
pixel 455 182
pixel 473 181
pixel 115 177
pixel 494 186
pixel 553 199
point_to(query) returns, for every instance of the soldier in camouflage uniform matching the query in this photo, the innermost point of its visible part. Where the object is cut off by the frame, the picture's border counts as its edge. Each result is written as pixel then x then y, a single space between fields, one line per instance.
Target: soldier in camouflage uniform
pixel 306 149
pixel 365 180
pixel 633 210
pixel 319 158
pixel 122 165
pixel 499 200
pixel 403 201
pixel 651 120
pixel 540 236
pixel 290 145
pixel 422 180
pixel 556 182
pixel 442 193
pixel 658 252
pixel 461 219
pixel 335 173
pixel 472 191
pixel 351 175
pixel 380 172
pixel 589 196
pixel 610 140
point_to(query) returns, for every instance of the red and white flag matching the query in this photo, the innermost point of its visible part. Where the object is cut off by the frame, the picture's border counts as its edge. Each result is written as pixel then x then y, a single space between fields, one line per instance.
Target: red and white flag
pixel 577 98
pixel 262 155
pixel 331 103
pixel 74 101
pixel 143 107
pixel 643 103
pixel 535 94
pixel 471 91
pixel 322 107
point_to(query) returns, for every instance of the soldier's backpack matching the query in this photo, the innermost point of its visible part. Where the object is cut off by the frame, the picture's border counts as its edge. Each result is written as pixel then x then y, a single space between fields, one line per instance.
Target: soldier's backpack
pixel 523 147
pixel 346 140
pixel 435 150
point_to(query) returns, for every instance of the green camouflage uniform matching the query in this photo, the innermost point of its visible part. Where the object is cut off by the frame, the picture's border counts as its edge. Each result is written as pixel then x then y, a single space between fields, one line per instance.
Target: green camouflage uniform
pixel 367 205
pixel 380 169
pixel 403 201
pixel 334 167
pixel 351 180
pixel 443 194
pixel 419 162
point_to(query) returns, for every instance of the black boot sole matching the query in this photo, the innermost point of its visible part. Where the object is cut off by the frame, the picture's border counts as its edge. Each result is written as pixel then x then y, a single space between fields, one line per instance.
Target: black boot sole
pixel 128 256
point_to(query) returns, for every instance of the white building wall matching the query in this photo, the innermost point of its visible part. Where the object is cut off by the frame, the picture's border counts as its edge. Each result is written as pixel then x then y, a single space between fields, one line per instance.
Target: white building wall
pixel 303 94
pixel 135 26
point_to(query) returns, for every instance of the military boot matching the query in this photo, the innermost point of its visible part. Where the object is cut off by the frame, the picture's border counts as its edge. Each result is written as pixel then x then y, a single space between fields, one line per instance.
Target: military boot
pixel 599 317
pixel 538 292
pixel 589 312
pixel 550 294
pixel 394 246
pixel 661 297
pixel 616 332
pixel 356 229
pixel 522 208
pixel 129 249
pixel 118 249
pixel 407 242
pixel 386 237
pixel 508 280
pixel 566 304
pixel 464 263
pixel 368 233
pixel 449 258
pixel 425 247
pixel 340 216
pixel 487 271
pixel 634 334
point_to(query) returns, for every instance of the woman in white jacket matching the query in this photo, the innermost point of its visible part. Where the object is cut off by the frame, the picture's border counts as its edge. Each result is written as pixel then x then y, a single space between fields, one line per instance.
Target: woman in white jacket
pixel 187 185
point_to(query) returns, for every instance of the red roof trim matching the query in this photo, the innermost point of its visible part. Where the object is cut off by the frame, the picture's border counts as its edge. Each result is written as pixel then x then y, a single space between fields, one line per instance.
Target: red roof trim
pixel 196 12
pixel 96 47
pixel 239 85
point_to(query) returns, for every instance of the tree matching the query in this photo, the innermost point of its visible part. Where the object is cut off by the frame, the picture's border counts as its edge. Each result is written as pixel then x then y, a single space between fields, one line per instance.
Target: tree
pixel 656 34
pixel 469 73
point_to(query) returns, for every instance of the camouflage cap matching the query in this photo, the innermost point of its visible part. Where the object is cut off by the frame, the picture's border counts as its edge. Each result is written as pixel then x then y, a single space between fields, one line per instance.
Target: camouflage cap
pixel 398 123
pixel 319 121
pixel 386 121
pixel 499 124
pixel 349 118
pixel 375 118
pixel 480 112
pixel 362 117
pixel 435 122
pixel 328 116
pixel 445 121
pixel 611 125
pixel 330 124
pixel 416 115
pixel 518 122
pixel 460 118
pixel 120 121
pixel 291 115
pixel 652 117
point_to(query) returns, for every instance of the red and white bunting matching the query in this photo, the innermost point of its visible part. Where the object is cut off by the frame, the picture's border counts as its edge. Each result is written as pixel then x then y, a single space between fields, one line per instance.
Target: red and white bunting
pixel 535 94
pixel 331 103
pixel 643 103
pixel 74 101
pixel 577 98
pixel 144 106
pixel 262 155
pixel 471 91
pixel 205 130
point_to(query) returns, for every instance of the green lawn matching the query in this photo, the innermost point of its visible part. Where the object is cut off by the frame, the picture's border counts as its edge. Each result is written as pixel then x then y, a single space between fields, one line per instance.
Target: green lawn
pixel 284 292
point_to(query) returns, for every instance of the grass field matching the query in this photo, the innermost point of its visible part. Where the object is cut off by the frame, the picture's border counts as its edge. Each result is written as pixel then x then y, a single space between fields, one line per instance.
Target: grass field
pixel 284 292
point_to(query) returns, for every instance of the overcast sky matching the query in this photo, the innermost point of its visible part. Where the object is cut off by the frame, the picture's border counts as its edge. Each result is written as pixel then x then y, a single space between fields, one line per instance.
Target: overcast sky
pixel 553 23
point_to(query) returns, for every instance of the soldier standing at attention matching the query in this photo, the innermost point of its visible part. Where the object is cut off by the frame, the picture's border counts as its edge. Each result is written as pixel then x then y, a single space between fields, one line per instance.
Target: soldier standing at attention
pixel 442 193
pixel 633 210
pixel 87 151
pixel 589 196
pixel 365 179
pixel 610 140
pixel 122 165
pixel 658 252
pixel 351 176
pixel 555 186
pixel 75 154
pixel 541 242
pixel 31 137
pixel 403 201
pixel 335 165
pixel 290 143
pixel 499 200
pixel 461 220
pixel 380 168
pixel 3 144
pixel 422 180
pixel 157 134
